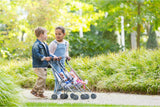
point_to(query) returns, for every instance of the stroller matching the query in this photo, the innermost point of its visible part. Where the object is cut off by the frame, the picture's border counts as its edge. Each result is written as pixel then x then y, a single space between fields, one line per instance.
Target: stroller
pixel 70 82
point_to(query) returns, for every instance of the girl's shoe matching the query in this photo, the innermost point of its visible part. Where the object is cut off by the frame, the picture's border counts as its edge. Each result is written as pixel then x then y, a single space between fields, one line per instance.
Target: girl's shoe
pixel 58 92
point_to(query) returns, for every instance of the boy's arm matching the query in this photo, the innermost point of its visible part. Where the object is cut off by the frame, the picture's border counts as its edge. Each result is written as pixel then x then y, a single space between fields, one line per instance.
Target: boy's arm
pixel 36 53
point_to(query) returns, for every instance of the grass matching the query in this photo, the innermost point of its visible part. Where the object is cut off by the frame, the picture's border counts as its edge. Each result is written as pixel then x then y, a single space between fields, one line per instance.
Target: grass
pixel 129 72
pixel 9 91
pixel 77 105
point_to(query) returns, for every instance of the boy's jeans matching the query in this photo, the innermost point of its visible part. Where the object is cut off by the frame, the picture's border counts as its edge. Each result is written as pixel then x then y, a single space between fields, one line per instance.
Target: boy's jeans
pixel 40 84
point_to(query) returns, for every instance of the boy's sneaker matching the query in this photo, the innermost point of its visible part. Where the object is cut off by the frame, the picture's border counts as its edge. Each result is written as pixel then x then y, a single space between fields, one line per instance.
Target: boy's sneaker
pixel 42 96
pixel 34 93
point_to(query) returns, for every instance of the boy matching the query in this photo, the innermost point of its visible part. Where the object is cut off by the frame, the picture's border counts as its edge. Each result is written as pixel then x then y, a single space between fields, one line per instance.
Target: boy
pixel 40 57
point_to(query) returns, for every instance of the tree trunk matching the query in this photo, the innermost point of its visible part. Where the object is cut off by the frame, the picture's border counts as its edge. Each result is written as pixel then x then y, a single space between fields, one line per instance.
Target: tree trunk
pixel 133 40
pixel 138 27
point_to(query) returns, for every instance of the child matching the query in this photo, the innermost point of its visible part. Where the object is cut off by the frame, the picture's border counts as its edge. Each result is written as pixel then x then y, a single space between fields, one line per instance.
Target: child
pixel 57 48
pixel 40 57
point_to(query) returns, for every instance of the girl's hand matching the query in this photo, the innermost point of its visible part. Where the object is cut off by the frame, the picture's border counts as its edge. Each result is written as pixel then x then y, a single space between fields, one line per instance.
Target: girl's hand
pixel 68 58
pixel 55 58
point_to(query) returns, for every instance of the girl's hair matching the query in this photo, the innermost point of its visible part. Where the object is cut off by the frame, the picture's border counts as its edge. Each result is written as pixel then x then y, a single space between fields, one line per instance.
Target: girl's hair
pixel 39 30
pixel 61 28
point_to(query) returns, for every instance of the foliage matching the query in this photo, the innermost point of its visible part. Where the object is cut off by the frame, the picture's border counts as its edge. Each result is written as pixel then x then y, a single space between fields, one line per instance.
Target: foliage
pixel 152 42
pixel 129 71
pixel 9 91
pixel 134 17
pixel 90 45
pixel 128 9
pixel 17 30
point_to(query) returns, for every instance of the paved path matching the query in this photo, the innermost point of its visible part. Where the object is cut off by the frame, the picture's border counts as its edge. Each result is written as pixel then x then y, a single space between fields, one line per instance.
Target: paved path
pixel 102 98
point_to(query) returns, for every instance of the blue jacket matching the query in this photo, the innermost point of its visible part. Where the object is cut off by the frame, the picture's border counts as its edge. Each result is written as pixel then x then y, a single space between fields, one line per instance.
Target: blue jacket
pixel 38 52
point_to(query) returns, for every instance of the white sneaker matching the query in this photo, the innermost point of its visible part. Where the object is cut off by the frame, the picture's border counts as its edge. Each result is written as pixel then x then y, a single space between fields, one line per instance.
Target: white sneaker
pixel 58 92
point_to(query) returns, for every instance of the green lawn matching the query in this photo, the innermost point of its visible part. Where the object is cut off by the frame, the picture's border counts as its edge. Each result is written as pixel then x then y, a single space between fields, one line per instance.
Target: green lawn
pixel 77 105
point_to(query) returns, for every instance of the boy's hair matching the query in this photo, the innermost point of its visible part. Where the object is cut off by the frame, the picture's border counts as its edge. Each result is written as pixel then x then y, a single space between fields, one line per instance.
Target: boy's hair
pixel 39 30
pixel 61 28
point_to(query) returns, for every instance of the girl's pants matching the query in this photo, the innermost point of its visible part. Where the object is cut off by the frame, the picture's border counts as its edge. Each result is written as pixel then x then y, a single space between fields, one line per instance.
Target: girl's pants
pixel 56 85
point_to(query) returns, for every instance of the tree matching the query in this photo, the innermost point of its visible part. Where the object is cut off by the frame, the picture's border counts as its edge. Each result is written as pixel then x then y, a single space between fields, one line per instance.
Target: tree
pixel 136 13
pixel 21 16
pixel 152 42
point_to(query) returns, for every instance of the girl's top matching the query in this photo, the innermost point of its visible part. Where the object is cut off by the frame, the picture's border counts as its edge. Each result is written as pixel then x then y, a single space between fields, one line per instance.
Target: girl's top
pixel 59 48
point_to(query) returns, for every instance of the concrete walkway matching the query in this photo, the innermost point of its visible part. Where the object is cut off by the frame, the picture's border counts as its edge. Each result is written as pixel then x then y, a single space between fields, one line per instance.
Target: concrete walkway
pixel 102 98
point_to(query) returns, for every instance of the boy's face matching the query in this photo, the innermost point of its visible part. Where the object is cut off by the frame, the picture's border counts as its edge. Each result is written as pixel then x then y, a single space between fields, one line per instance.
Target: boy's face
pixel 59 35
pixel 44 36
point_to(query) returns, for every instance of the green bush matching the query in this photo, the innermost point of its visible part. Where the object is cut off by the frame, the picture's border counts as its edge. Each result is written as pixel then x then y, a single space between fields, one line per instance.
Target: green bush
pixel 9 92
pixel 129 71
pixel 90 45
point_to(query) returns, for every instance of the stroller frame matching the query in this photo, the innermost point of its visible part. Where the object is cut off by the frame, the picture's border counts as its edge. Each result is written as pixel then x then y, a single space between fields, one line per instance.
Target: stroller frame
pixel 73 88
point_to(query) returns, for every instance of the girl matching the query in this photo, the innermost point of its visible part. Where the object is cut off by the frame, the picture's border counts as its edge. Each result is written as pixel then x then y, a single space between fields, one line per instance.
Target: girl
pixel 57 48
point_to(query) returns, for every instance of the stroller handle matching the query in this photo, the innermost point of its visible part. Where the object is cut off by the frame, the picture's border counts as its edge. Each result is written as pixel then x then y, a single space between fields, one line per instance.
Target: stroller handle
pixel 51 61
pixel 67 61
pixel 72 68
pixel 58 59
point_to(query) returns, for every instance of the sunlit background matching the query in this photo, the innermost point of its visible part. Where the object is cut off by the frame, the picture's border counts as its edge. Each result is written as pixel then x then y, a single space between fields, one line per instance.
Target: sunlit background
pixel 114 44
pixel 99 26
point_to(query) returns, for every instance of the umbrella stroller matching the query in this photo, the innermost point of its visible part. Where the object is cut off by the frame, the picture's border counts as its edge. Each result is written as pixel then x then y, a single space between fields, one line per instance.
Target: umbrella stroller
pixel 70 82
pixel 64 82
pixel 78 82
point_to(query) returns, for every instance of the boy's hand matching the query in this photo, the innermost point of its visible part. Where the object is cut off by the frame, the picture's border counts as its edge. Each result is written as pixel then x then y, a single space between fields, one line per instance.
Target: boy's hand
pixel 48 58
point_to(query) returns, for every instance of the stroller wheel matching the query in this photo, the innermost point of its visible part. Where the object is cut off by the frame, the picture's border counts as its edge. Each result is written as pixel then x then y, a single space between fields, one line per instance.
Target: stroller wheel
pixel 87 96
pixel 66 96
pixel 62 96
pixel 54 96
pixel 83 96
pixel 71 95
pixel 93 96
pixel 75 97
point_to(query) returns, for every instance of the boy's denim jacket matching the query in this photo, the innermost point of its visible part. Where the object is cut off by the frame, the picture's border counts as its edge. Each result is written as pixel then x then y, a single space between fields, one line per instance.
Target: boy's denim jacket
pixel 39 52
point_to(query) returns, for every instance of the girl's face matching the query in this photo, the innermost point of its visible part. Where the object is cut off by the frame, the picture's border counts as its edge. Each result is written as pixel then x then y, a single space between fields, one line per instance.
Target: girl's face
pixel 59 35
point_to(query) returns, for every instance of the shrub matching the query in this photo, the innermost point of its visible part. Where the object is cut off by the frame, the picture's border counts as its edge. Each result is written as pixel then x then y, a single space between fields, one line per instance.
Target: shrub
pixel 9 92
pixel 90 45
pixel 129 71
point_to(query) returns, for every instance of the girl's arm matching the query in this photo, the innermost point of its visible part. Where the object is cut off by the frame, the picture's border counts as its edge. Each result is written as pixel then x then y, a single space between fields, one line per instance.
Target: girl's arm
pixel 67 53
pixel 52 48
